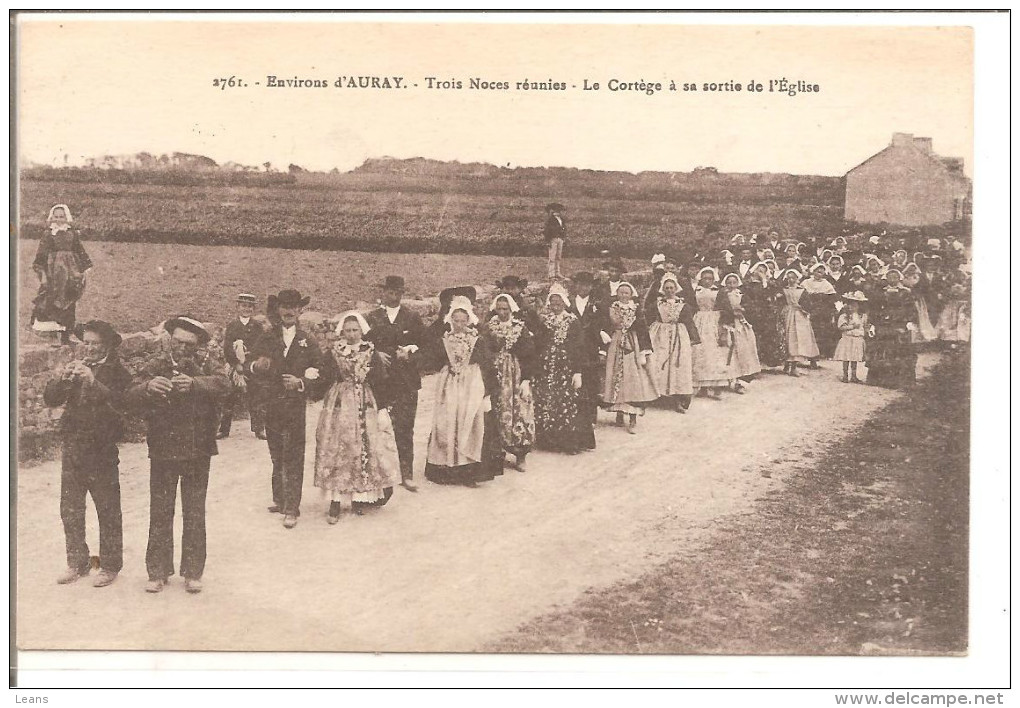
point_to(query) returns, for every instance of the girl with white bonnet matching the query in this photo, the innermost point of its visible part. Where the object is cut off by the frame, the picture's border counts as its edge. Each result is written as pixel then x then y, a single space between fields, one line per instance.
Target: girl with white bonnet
pixel 61 264
pixel 464 445
pixel 714 364
pixel 356 460
pixel 628 383
pixel 673 334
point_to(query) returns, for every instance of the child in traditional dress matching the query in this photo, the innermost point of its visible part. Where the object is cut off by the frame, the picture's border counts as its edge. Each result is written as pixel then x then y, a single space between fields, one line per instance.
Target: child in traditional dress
pixel 853 324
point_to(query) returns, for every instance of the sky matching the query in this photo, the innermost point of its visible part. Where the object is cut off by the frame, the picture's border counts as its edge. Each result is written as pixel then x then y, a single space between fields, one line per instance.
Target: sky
pixel 100 85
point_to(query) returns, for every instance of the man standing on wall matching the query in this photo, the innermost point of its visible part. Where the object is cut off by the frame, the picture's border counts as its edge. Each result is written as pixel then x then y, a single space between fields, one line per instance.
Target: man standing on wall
pixel 555 234
pixel 397 333
pixel 286 360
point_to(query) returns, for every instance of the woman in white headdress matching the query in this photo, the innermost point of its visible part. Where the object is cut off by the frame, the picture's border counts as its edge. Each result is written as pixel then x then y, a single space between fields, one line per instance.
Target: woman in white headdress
pixel 61 264
pixel 513 348
pixel 820 302
pixel 561 359
pixel 800 337
pixel 628 384
pixel 914 280
pixel 673 334
pixel 464 446
pixel 714 363
pixel 745 343
pixel 355 452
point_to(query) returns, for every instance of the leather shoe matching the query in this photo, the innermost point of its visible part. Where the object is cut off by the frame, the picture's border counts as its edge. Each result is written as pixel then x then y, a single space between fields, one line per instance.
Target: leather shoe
pixel 260 434
pixel 220 436
pixel 156 585
pixel 408 486
pixel 70 575
pixel 193 585
pixel 275 509
pixel 290 521
pixel 105 577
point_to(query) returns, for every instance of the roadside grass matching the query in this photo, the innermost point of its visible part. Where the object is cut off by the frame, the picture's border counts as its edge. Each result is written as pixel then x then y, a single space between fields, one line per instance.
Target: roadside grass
pixel 864 552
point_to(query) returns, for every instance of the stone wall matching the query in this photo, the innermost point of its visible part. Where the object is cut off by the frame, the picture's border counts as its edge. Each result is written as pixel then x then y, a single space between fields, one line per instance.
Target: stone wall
pixel 39 362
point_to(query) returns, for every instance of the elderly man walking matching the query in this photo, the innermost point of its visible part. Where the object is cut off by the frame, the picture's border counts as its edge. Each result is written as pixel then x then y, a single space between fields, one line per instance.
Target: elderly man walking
pixel 91 388
pixel 180 396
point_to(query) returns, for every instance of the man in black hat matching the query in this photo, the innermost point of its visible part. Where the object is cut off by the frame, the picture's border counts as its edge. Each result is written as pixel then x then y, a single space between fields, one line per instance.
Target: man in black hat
pixel 397 334
pixel 239 339
pixel 91 388
pixel 180 394
pixel 286 359
pixel 555 232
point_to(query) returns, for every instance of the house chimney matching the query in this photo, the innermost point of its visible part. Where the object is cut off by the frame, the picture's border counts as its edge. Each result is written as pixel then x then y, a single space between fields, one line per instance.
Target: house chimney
pixel 924 144
pixel 902 139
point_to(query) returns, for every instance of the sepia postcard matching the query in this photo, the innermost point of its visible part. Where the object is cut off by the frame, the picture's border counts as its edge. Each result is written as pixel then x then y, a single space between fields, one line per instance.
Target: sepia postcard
pixel 508 334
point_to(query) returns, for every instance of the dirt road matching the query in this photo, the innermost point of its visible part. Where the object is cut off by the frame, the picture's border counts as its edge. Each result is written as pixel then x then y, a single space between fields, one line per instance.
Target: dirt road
pixel 448 569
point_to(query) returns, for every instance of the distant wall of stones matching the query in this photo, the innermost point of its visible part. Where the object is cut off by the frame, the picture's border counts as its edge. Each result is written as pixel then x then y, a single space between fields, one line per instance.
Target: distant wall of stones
pixel 39 362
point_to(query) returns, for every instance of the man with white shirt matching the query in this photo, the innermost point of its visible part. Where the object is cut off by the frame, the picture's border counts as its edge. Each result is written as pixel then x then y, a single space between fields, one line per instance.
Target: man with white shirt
pixel 286 360
pixel 239 338
pixel 588 310
pixel 606 291
pixel 745 262
pixel 397 333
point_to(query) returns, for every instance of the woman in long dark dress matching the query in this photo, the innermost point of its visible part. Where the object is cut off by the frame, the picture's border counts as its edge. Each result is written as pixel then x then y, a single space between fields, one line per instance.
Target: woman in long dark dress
pixel 561 359
pixel 890 355
pixel 61 264
pixel 513 348
pixel 464 446
pixel 762 312
pixel 820 302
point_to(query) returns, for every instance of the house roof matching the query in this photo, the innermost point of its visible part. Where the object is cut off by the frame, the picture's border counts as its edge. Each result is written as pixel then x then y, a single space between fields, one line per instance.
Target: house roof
pixel 937 161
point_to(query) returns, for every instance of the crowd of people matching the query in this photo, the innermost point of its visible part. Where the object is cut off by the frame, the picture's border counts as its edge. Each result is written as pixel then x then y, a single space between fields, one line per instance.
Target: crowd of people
pixel 529 374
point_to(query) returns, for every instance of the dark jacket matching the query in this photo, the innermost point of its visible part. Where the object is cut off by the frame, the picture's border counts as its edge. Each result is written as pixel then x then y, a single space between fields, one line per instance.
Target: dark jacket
pixel 407 329
pixel 639 328
pixel 304 354
pixel 435 357
pixel 555 228
pixel 377 379
pixel 94 413
pixel 523 349
pixel 181 426
pixel 578 355
pixel 247 333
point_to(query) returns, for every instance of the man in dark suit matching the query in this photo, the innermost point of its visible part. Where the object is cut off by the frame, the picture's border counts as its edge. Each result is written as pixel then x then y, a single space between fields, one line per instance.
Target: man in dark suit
pixel 180 396
pixel 286 360
pixel 239 339
pixel 589 313
pixel 397 334
pixel 92 389
pixel 555 233
pixel 606 291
